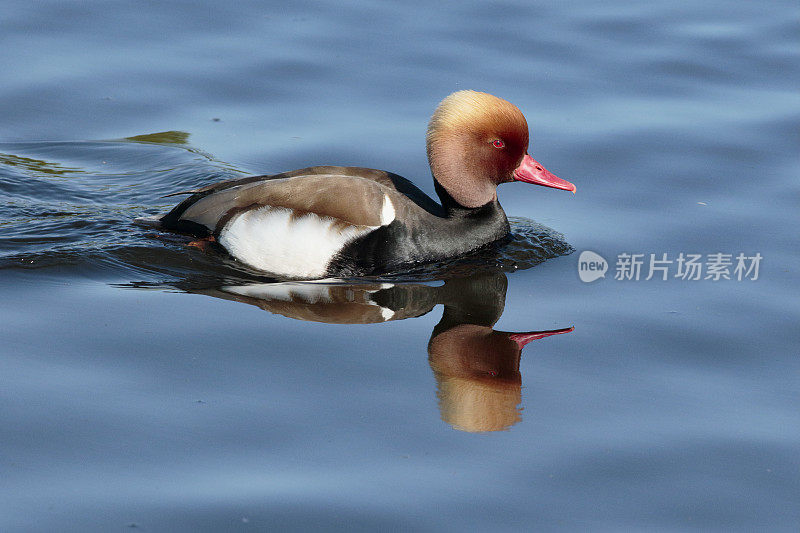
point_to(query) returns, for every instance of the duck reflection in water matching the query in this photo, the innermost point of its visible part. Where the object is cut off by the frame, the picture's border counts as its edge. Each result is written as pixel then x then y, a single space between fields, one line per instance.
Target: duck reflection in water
pixel 476 367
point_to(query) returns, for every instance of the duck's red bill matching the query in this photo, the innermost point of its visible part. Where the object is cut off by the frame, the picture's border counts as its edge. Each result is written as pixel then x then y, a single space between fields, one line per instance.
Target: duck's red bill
pixel 530 171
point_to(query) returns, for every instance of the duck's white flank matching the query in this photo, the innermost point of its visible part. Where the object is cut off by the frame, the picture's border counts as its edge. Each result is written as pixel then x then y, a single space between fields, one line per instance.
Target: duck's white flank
pixel 271 239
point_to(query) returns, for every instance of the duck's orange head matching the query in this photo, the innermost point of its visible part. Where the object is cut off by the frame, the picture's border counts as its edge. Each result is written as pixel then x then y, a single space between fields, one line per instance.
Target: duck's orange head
pixel 477 141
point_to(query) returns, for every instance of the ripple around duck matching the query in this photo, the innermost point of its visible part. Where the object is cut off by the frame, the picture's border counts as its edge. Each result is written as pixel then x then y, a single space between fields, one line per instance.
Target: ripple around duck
pixel 528 245
pixel 82 218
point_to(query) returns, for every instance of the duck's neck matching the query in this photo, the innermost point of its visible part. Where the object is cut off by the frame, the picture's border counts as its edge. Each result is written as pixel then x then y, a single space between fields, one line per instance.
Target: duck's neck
pixel 483 224
pixel 447 201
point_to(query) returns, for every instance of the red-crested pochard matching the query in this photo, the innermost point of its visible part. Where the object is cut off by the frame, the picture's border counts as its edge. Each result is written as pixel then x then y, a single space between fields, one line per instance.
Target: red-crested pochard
pixel 346 221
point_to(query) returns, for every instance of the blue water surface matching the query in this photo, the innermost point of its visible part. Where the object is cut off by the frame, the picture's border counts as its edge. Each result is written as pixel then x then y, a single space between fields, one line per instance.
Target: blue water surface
pixel 145 384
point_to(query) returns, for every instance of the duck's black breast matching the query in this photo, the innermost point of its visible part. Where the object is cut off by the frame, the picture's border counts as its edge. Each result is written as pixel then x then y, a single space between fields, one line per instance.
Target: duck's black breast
pixel 421 237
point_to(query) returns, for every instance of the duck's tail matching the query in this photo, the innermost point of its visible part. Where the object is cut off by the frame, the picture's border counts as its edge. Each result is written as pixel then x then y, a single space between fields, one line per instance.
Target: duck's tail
pixel 149 222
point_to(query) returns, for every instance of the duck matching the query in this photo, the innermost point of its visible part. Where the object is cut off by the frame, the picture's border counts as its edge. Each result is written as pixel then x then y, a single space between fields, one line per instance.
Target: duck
pixel 333 221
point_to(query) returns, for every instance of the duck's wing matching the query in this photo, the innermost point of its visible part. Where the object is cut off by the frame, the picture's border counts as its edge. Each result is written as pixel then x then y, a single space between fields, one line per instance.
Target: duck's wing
pixel 350 199
pixel 376 175
pixel 351 194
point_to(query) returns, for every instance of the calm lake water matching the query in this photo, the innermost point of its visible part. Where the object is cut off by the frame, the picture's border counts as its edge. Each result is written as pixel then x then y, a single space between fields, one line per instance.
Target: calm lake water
pixel 148 385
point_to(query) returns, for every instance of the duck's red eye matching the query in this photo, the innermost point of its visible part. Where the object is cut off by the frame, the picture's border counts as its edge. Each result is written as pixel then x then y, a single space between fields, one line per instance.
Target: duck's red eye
pixel 498 143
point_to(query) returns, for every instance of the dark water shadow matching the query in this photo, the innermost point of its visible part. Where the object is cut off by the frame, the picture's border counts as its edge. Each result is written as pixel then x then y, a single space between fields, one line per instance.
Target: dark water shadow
pixel 476 367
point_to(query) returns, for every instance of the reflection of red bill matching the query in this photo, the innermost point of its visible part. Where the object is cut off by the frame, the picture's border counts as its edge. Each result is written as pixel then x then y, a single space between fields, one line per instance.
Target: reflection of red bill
pixel 524 338
pixel 530 171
